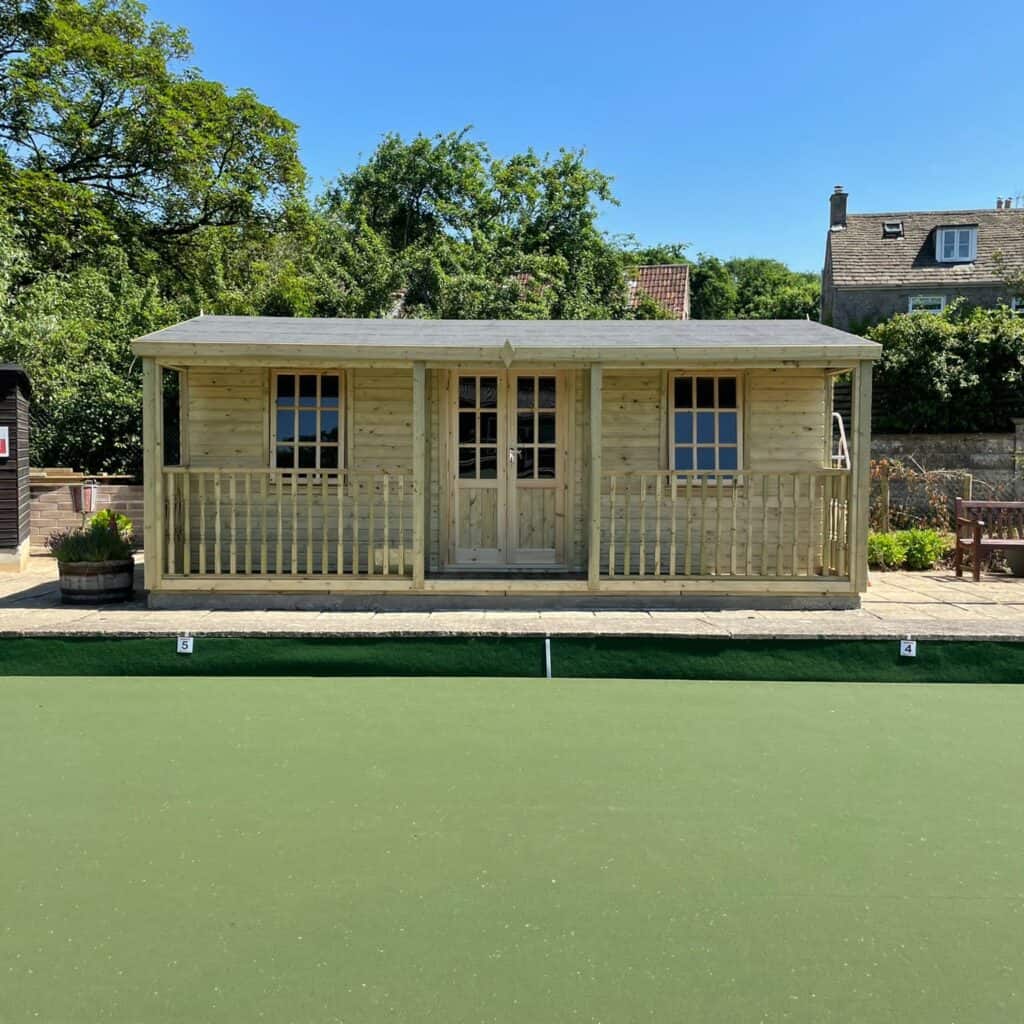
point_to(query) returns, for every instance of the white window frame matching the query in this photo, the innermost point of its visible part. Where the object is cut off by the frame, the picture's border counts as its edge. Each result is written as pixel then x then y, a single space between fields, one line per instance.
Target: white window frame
pixel 1017 305
pixel 727 476
pixel 342 411
pixel 924 298
pixel 956 231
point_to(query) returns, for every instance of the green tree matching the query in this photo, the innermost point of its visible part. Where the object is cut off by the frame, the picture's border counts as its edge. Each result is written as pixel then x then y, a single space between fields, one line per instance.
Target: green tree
pixel 713 292
pixel 104 137
pixel 960 370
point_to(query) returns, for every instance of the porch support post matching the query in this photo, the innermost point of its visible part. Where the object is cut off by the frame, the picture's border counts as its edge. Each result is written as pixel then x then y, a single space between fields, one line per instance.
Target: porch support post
pixel 152 464
pixel 594 480
pixel 860 476
pixel 419 474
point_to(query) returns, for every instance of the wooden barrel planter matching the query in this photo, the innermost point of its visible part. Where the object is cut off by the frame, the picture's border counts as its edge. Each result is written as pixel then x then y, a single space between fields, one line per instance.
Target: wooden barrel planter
pixel 96 582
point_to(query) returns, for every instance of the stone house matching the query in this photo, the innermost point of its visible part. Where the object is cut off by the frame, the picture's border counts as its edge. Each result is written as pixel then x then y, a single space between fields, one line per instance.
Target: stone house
pixel 880 264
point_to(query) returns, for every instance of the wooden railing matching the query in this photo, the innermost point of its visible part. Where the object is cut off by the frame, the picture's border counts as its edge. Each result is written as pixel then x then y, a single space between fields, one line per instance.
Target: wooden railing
pixel 275 522
pixel 759 525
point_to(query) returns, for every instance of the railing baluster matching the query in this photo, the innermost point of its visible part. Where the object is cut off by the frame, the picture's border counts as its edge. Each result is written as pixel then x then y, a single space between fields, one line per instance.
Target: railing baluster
pixel 355 525
pixel 642 551
pixel 339 554
pixel 658 481
pixel 248 524
pixel 703 565
pixel 264 512
pixel 295 523
pixel 186 547
pixel 673 568
pixel 732 529
pixel 811 492
pixel 171 540
pixel 748 512
pixel 627 526
pixel 233 547
pixel 279 539
pixel 794 568
pixel 401 525
pixel 371 528
pixel 325 504
pixel 611 527
pixel 689 549
pixel 764 526
pixel 202 524
pixel 218 566
pixel 386 525
pixel 310 492
pixel 719 491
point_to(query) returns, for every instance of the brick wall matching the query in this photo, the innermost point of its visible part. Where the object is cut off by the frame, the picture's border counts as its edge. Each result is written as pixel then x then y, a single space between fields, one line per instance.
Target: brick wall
pixel 52 506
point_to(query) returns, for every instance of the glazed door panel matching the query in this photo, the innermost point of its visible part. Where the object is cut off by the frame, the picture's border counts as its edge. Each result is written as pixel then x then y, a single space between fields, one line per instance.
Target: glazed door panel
pixel 508 464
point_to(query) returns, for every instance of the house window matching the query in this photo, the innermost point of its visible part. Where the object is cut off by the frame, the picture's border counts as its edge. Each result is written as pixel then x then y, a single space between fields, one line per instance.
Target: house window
pixel 306 424
pixel 956 245
pixel 892 229
pixel 705 424
pixel 1017 305
pixel 927 303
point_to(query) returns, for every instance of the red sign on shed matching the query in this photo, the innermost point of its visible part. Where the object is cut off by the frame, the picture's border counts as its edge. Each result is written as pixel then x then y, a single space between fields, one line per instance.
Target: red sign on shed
pixel 5 443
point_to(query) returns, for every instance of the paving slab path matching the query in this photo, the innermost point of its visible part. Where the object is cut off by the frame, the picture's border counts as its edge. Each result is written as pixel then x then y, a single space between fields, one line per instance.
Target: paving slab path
pixel 925 605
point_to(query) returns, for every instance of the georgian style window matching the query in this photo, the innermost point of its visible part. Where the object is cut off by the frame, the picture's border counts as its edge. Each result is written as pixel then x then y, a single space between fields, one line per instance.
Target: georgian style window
pixel 926 303
pixel 956 245
pixel 306 422
pixel 705 428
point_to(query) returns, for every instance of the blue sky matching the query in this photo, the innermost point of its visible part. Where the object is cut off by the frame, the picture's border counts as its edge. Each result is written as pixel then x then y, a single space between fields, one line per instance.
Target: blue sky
pixel 725 125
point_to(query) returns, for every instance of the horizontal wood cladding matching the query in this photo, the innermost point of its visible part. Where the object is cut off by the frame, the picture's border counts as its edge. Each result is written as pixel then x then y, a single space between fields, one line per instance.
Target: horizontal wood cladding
pixel 228 416
pixel 14 475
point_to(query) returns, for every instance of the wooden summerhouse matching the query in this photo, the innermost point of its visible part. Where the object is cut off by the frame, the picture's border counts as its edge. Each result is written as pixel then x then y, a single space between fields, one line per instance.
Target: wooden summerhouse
pixel 560 458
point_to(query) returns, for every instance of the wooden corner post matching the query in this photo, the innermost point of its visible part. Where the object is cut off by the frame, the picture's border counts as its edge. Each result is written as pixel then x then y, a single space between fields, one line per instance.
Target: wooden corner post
pixel 594 481
pixel 152 464
pixel 860 476
pixel 419 474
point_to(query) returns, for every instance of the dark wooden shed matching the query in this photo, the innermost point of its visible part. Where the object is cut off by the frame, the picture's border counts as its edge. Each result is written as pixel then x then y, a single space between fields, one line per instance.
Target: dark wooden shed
pixel 15 391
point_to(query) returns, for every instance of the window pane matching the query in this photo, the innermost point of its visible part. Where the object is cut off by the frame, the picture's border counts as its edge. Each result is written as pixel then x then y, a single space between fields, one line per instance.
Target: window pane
pixel 524 393
pixel 546 463
pixel 524 465
pixel 285 425
pixel 705 428
pixel 307 425
pixel 488 463
pixel 727 458
pixel 705 458
pixel 684 392
pixel 488 392
pixel 285 457
pixel 328 426
pixel 684 428
pixel 467 463
pixel 684 458
pixel 489 427
pixel 705 392
pixel 948 240
pixel 546 392
pixel 286 389
pixel 965 244
pixel 307 457
pixel 467 428
pixel 727 428
pixel 726 392
pixel 307 389
pixel 524 428
pixel 546 427
pixel 467 392
pixel 329 390
pixel 329 457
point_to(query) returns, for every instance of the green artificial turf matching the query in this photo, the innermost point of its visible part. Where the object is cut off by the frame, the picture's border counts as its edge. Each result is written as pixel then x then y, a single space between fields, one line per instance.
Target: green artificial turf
pixel 572 657
pixel 372 850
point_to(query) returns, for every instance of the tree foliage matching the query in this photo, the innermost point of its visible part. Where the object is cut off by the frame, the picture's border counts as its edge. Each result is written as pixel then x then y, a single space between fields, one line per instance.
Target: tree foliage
pixel 959 370
pixel 752 289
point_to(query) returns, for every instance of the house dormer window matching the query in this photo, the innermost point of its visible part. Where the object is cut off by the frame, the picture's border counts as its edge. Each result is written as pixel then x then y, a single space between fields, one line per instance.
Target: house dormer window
pixel 892 229
pixel 956 245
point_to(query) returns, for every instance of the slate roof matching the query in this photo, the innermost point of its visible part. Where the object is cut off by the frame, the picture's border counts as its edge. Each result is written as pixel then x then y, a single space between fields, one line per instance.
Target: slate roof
pixel 666 283
pixel 396 338
pixel 860 256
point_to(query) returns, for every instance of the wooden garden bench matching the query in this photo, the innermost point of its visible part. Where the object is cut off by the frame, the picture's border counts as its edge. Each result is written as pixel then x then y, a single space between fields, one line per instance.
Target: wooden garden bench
pixel 988 526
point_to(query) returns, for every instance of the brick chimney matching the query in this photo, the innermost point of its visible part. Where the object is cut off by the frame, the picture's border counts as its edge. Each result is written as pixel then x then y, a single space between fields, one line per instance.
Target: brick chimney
pixel 837 208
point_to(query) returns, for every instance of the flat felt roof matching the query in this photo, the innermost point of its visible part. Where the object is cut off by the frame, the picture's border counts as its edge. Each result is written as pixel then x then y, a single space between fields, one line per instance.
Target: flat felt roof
pixel 603 340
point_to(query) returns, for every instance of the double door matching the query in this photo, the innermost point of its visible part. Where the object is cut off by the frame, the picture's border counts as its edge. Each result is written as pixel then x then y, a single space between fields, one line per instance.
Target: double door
pixel 507 468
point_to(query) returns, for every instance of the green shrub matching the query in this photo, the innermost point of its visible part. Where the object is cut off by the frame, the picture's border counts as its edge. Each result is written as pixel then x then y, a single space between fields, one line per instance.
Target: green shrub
pixel 97 542
pixel 906 549
pixel 886 550
pixel 924 548
pixel 113 520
